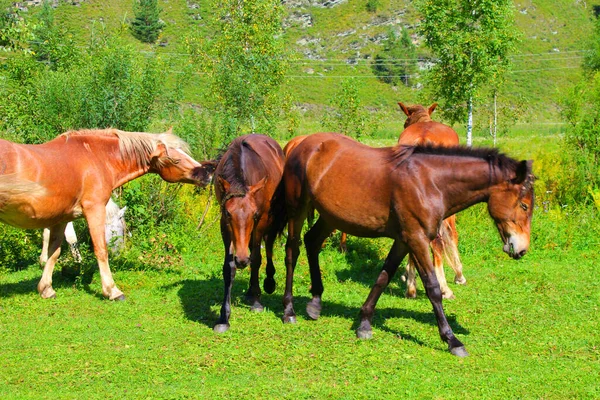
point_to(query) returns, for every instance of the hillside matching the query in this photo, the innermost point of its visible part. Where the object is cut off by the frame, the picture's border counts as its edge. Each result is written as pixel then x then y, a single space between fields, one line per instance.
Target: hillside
pixel 333 39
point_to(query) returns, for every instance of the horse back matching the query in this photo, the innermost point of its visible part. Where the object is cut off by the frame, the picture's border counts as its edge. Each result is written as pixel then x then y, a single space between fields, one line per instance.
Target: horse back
pixel 429 133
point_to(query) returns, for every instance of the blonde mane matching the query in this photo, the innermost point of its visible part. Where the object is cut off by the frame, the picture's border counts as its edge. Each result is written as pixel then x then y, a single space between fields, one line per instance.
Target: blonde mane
pixel 136 145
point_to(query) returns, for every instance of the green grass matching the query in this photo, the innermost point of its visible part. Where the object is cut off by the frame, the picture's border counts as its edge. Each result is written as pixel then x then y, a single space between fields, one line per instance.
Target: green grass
pixel 529 325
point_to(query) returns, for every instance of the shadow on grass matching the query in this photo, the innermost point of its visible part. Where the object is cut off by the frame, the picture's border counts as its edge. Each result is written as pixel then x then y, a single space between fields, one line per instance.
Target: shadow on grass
pixel 29 286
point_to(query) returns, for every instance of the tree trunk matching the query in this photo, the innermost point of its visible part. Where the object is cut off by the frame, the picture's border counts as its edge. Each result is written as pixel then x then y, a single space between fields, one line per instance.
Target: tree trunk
pixel 470 122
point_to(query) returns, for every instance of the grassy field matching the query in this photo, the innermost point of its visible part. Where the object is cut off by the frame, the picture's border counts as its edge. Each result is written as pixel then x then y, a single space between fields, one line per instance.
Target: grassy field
pixel 530 326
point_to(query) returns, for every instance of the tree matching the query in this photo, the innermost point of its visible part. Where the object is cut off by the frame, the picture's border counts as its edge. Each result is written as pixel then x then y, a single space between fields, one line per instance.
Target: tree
pixel 471 40
pixel 246 62
pixel 397 62
pixel 591 61
pixel 147 25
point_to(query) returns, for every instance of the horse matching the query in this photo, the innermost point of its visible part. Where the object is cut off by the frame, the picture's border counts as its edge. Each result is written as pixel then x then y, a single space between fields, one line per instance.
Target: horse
pixel 72 176
pixel 420 129
pixel 287 149
pixel 248 190
pixel 114 233
pixel 400 192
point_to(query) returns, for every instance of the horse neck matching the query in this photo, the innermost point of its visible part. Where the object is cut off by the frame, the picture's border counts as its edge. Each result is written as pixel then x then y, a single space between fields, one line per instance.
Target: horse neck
pixel 422 118
pixel 466 182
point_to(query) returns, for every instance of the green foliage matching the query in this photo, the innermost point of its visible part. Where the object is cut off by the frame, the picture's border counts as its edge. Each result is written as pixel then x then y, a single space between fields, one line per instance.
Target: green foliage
pixel 348 116
pixel 591 61
pixel 18 248
pixel 15 33
pixel 471 41
pixel 397 62
pixel 581 112
pixel 147 25
pixel 373 5
pixel 246 62
pixel 51 43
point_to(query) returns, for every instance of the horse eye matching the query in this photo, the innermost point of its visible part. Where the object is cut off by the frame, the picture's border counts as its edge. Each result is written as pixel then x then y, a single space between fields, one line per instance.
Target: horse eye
pixel 524 206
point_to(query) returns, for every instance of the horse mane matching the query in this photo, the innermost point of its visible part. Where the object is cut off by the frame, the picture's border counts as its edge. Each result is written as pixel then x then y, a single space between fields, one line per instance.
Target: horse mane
pixel 500 161
pixel 233 170
pixel 135 145
pixel 419 111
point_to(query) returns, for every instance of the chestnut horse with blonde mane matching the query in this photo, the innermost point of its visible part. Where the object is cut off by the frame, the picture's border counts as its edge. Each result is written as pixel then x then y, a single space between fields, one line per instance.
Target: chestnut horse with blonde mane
pixel 420 129
pixel 400 192
pixel 50 184
pixel 248 189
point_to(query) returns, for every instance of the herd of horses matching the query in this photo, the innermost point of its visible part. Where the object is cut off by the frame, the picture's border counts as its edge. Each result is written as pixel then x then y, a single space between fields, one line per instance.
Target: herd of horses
pixel 408 192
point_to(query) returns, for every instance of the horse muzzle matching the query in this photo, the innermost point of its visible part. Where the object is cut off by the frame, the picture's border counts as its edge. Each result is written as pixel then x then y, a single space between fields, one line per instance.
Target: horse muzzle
pixel 512 248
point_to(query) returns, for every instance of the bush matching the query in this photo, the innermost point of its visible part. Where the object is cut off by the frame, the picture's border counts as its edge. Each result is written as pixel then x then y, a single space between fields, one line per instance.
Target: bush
pixel 396 63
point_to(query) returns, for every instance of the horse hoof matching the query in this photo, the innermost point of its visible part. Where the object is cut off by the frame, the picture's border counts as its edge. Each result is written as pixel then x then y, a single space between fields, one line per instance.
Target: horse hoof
pixel 448 296
pixel 269 286
pixel 289 320
pixel 48 293
pixel 459 351
pixel 460 281
pixel 221 328
pixel 257 307
pixel 121 297
pixel 313 310
pixel 410 295
pixel 363 334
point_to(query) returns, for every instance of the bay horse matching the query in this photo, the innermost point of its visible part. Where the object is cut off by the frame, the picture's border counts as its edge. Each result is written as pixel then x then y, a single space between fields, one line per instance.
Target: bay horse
pixel 400 192
pixel 287 149
pixel 72 176
pixel 420 129
pixel 248 189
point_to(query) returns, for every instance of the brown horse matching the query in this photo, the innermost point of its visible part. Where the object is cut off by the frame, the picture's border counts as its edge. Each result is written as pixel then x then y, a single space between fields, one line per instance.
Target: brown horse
pixel 291 145
pixel 249 191
pixel 420 129
pixel 403 193
pixel 48 185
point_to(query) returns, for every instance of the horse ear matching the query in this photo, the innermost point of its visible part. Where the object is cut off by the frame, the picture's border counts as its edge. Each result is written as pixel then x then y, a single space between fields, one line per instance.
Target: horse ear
pixel 121 213
pixel 223 184
pixel 258 186
pixel 403 107
pixel 523 171
pixel 432 108
pixel 169 131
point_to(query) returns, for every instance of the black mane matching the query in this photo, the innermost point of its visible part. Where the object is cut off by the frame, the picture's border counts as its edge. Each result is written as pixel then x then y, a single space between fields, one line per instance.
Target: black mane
pixel 233 160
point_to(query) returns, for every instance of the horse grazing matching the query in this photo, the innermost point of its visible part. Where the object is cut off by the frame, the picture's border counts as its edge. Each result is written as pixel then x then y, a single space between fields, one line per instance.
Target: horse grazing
pixel 287 149
pixel 51 184
pixel 248 189
pixel 114 233
pixel 404 193
pixel 420 129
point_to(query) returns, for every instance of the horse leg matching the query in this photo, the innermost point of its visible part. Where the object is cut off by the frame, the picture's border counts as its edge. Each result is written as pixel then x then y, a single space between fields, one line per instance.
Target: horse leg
pixel 45 242
pixel 343 238
pixel 292 250
pixel 450 238
pixel 269 282
pixel 411 279
pixel 95 217
pixel 253 292
pixel 56 234
pixel 313 240
pixel 420 250
pixel 72 240
pixel 229 270
pixel 392 261
pixel 437 248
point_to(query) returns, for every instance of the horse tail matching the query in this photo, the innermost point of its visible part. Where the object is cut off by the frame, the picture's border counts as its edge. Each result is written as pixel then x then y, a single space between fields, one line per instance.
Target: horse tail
pixel 448 236
pixel 278 211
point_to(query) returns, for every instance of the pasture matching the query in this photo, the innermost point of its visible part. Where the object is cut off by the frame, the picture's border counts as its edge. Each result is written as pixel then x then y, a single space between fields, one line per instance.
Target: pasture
pixel 530 326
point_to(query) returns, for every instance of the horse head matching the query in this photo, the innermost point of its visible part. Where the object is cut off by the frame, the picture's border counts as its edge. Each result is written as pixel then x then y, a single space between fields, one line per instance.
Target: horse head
pixel 240 214
pixel 173 164
pixel 417 113
pixel 511 207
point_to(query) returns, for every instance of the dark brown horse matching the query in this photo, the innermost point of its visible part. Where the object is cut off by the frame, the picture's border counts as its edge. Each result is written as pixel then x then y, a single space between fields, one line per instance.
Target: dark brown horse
pixel 48 185
pixel 403 193
pixel 420 130
pixel 247 188
pixel 287 149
